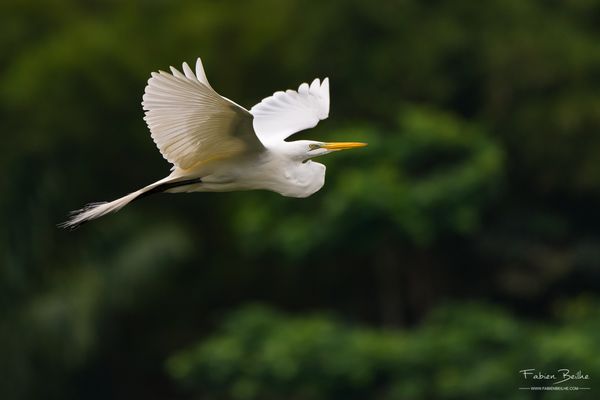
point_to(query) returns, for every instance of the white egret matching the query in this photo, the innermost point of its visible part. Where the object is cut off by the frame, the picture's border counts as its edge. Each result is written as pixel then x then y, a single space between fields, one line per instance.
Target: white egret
pixel 216 145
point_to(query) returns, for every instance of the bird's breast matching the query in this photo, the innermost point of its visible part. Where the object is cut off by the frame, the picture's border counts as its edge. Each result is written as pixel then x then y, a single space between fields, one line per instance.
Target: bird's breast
pixel 302 179
pixel 291 179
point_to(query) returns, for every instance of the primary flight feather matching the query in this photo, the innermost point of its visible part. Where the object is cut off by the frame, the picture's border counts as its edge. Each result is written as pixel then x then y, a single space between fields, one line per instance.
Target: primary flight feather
pixel 216 145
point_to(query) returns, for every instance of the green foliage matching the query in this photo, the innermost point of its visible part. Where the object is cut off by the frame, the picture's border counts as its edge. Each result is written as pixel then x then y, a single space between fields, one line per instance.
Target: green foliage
pixel 461 351
pixel 431 176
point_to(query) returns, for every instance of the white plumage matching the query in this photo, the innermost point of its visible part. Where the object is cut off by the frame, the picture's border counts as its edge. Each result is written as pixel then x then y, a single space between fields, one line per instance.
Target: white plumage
pixel 285 113
pixel 215 144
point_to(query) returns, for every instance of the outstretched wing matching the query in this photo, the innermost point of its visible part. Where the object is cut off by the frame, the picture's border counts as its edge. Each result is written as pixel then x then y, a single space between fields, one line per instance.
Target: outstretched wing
pixel 285 113
pixel 191 123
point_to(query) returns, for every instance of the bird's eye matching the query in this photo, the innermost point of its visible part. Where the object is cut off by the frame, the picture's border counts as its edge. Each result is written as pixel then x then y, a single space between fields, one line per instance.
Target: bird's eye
pixel 314 146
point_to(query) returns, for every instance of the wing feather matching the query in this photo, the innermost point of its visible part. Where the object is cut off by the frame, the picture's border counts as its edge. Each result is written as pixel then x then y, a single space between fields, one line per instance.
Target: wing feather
pixel 285 113
pixel 191 123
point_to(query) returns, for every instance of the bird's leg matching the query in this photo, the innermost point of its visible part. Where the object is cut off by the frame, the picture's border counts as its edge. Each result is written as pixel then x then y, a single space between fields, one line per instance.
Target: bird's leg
pixel 168 185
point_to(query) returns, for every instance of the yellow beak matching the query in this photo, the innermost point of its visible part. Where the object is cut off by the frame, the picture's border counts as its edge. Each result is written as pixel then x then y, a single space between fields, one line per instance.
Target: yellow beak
pixel 342 145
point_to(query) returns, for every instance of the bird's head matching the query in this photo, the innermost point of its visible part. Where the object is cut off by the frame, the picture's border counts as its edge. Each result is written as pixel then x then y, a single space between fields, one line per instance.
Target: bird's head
pixel 307 149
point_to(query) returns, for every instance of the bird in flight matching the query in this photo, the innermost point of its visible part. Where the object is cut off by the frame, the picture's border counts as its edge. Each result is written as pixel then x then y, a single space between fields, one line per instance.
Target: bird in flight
pixel 216 145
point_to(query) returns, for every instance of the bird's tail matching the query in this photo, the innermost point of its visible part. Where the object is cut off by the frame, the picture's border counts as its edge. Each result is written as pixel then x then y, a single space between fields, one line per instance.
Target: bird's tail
pixel 97 210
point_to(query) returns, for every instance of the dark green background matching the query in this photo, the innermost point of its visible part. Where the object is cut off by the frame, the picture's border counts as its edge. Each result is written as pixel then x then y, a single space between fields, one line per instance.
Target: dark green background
pixel 460 247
